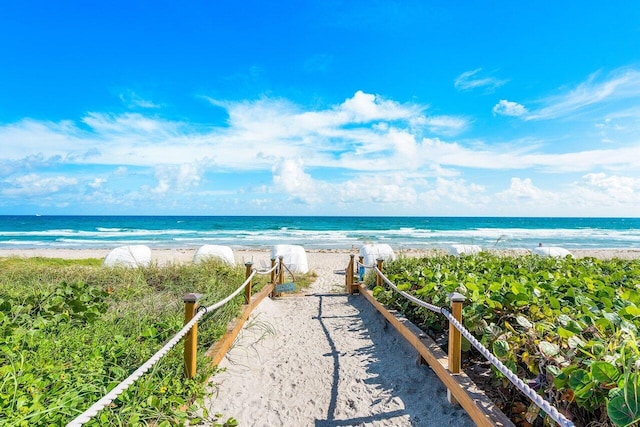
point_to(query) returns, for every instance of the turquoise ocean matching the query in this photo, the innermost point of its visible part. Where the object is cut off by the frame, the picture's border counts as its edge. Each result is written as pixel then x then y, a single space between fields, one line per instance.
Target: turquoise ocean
pixel 98 232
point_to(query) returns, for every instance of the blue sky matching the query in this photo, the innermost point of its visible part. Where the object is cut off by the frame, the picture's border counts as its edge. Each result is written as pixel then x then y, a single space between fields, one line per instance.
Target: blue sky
pixel 320 108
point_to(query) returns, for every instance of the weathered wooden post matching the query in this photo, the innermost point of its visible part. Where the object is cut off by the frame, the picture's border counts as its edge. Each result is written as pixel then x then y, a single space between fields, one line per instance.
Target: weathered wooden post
pixel 247 289
pixel 348 277
pixel 273 276
pixel 378 277
pixel 191 339
pixel 273 270
pixel 455 339
pixel 280 280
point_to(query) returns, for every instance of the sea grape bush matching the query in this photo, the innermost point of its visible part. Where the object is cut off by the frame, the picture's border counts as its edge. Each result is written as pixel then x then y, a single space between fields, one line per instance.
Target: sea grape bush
pixel 568 326
pixel 70 333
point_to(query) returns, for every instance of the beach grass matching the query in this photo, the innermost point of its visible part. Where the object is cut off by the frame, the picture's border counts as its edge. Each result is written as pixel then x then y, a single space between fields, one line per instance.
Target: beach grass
pixel 70 330
pixel 303 281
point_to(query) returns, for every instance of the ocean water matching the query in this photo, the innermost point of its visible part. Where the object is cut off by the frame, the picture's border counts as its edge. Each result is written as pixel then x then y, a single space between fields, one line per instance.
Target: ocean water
pixel 98 232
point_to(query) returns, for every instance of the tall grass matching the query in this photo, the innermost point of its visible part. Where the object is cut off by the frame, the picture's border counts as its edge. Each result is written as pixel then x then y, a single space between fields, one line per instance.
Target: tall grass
pixel 72 330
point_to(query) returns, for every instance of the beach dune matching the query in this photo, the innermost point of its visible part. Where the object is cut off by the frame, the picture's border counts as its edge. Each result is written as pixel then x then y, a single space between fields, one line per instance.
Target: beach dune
pixel 321 357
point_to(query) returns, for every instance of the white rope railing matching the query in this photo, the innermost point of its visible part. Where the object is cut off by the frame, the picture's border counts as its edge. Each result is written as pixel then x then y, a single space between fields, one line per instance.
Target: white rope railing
pixel 364 265
pixel 265 272
pixel 411 298
pixel 120 388
pixel 521 385
pixel 543 404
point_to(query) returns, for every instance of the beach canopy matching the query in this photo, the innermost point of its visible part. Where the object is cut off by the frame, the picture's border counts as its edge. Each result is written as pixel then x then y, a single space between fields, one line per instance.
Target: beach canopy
pixel 459 250
pixel 293 256
pixel 222 253
pixel 371 252
pixel 553 251
pixel 128 256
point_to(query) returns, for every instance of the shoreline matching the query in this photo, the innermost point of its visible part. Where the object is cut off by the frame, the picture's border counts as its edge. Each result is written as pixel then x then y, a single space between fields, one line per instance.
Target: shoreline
pixel 185 255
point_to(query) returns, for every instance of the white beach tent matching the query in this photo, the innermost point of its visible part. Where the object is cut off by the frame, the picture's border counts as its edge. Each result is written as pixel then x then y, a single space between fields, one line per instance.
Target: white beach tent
pixel 459 250
pixel 128 256
pixel 553 251
pixel 222 253
pixel 372 252
pixel 294 257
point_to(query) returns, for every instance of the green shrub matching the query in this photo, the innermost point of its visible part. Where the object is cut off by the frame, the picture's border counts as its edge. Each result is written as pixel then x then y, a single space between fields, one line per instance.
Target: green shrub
pixel 567 326
pixel 72 330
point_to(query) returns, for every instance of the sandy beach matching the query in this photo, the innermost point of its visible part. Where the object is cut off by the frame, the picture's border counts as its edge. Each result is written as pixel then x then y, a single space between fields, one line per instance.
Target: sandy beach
pixel 327 359
pixel 321 358
pixel 182 255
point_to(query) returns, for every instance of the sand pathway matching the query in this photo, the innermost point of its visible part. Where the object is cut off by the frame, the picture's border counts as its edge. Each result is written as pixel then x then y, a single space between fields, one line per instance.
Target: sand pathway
pixel 327 359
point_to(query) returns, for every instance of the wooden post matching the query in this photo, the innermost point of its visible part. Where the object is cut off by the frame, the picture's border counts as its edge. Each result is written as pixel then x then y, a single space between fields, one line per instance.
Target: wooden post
pixel 455 340
pixel 378 278
pixel 273 271
pixel 247 289
pixel 280 276
pixel 273 275
pixel 191 339
pixel 348 277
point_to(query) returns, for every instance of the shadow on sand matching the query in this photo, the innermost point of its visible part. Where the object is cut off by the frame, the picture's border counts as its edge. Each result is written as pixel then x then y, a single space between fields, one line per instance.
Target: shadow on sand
pixel 422 395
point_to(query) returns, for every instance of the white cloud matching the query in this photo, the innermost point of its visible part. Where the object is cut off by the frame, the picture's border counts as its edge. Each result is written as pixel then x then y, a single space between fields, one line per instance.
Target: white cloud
pixel 460 192
pixel 508 108
pixel 364 107
pixel 399 188
pixel 130 123
pixel 446 125
pixel 523 191
pixel 290 178
pixel 378 151
pixel 133 100
pixel 609 189
pixel 263 131
pixel 35 185
pixel 97 183
pixel 471 80
pixel 595 193
pixel 177 178
pixel 620 84
pixel 385 188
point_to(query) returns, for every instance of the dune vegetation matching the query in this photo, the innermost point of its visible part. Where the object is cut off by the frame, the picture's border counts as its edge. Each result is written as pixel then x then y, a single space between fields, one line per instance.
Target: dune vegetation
pixel 72 330
pixel 569 327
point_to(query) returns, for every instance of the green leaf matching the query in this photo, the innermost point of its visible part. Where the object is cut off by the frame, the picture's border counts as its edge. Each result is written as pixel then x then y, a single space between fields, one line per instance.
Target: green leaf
pixel 575 342
pixel 605 373
pixel 472 286
pixel 606 302
pixel 565 333
pixel 563 319
pixel 624 408
pixel 632 310
pixel 581 383
pixel 148 332
pixel 153 401
pixel 524 322
pixel 500 348
pixel 495 286
pixel 404 287
pixel 548 349
pixel 554 370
